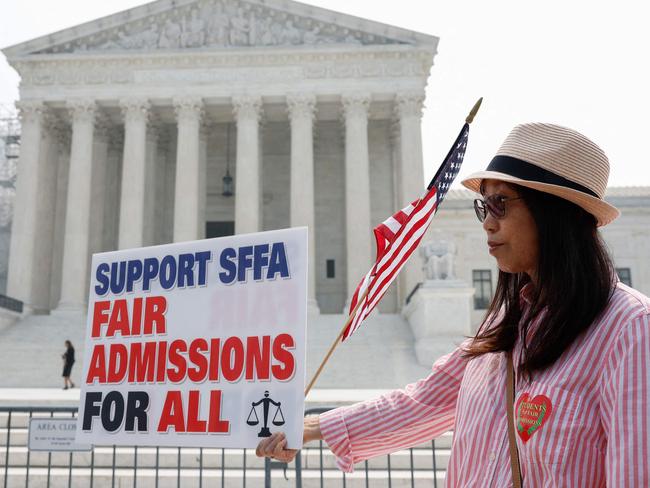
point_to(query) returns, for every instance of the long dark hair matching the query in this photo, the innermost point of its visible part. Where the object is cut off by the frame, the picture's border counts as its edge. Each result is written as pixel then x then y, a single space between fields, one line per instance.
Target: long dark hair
pixel 575 279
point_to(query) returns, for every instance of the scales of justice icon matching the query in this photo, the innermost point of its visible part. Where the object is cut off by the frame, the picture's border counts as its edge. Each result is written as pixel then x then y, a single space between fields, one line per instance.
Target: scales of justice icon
pixel 253 419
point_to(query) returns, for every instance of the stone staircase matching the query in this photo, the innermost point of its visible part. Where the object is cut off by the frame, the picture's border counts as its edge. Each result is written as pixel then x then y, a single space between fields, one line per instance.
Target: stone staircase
pixel 229 468
pixel 30 352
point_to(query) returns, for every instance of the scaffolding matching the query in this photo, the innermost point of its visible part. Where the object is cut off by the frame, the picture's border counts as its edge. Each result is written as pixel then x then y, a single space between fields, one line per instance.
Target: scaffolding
pixel 9 145
pixel 9 151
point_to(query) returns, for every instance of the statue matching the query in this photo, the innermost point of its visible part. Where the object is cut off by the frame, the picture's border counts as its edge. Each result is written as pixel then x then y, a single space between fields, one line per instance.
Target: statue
pixel 218 32
pixel 239 29
pixel 264 32
pixel 150 37
pixel 170 36
pixel 311 36
pixel 439 259
pixel 193 31
pixel 290 35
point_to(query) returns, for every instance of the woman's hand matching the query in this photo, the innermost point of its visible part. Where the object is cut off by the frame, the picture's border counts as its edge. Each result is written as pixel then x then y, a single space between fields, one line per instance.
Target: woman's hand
pixel 275 447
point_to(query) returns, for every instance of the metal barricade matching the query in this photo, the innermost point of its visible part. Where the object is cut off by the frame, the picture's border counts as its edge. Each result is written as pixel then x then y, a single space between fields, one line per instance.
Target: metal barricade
pixel 113 466
pixel 411 468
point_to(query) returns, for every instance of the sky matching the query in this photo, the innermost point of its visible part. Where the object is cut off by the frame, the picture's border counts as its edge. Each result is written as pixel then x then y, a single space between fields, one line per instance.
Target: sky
pixel 577 63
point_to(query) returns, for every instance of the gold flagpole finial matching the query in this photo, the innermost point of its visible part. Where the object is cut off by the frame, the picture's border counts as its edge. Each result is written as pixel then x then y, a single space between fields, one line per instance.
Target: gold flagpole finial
pixel 472 113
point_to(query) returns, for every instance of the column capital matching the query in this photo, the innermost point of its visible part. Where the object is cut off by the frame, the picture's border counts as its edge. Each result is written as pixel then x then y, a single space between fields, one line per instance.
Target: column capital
pixel 409 104
pixel 30 110
pixel 135 109
pixel 247 107
pixel 355 104
pixel 188 108
pixel 82 109
pixel 301 105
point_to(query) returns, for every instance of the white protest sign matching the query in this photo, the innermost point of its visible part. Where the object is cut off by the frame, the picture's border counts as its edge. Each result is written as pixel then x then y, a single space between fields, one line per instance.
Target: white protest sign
pixel 197 344
pixel 54 434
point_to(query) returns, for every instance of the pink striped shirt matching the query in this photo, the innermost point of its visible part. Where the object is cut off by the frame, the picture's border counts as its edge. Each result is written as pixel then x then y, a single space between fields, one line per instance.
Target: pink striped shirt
pixel 585 419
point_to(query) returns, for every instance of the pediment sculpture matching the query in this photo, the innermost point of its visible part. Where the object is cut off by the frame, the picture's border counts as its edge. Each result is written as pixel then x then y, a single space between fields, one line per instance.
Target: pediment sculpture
pixel 220 23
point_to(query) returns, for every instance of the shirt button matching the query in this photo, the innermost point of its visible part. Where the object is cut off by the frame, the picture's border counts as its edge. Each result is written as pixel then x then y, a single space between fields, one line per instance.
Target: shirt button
pixel 492 457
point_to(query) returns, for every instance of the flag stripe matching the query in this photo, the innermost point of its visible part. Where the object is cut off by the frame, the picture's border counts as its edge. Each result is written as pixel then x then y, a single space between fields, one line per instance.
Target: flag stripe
pixel 386 276
pixel 400 248
pixel 382 240
pixel 420 213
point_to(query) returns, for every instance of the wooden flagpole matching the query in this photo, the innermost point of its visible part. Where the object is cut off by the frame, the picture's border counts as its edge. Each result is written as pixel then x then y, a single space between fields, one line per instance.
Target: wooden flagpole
pixel 336 341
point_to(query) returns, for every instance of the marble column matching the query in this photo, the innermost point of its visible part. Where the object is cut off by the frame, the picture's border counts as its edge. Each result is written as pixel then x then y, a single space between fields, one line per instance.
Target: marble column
pixel 301 113
pixel 408 108
pixel 164 182
pixel 77 222
pixel 134 164
pixel 188 185
pixel 247 111
pixel 204 133
pixel 98 195
pixel 23 231
pixel 150 190
pixel 62 135
pixel 113 183
pixel 396 159
pixel 357 189
pixel 45 202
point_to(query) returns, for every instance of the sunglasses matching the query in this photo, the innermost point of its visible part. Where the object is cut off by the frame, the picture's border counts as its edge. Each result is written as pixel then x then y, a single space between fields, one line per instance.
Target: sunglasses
pixel 494 204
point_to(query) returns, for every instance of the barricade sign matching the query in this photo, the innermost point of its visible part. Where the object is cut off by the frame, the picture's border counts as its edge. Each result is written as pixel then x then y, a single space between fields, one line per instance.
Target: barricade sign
pixel 197 344
pixel 54 435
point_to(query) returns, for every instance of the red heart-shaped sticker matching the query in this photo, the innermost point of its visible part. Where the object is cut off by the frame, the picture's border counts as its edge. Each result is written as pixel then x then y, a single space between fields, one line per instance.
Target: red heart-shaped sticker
pixel 531 414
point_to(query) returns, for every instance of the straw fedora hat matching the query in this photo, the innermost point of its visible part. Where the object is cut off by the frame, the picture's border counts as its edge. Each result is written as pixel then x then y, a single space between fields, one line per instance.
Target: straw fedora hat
pixel 556 160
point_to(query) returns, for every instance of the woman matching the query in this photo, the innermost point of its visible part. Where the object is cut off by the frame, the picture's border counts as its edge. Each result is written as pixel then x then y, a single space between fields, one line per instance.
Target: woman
pixel 579 341
pixel 68 361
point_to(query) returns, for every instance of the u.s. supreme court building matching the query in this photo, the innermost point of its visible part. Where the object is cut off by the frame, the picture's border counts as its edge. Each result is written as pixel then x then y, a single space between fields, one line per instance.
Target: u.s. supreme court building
pixel 186 119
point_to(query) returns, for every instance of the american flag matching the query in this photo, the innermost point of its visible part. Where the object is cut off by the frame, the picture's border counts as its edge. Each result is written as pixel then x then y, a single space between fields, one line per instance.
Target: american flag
pixel 399 235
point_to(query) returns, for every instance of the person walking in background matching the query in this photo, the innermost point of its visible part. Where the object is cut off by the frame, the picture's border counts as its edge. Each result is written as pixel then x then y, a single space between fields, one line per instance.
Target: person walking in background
pixel 68 361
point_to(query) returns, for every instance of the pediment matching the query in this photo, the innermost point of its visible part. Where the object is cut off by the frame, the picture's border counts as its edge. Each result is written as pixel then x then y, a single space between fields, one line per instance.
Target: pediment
pixel 168 25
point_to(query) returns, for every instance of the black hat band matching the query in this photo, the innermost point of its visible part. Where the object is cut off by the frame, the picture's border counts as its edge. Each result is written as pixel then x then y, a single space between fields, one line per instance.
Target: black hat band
pixel 526 171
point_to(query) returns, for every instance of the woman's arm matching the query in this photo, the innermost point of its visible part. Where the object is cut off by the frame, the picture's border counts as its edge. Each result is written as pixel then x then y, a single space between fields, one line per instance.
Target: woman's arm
pixel 398 419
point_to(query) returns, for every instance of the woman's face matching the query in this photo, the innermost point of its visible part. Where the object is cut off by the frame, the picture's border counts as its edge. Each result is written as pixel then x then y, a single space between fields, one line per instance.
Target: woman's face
pixel 512 239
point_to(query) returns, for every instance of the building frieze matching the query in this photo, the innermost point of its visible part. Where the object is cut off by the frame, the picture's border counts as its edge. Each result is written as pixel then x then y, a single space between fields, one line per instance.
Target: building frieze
pixel 215 68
